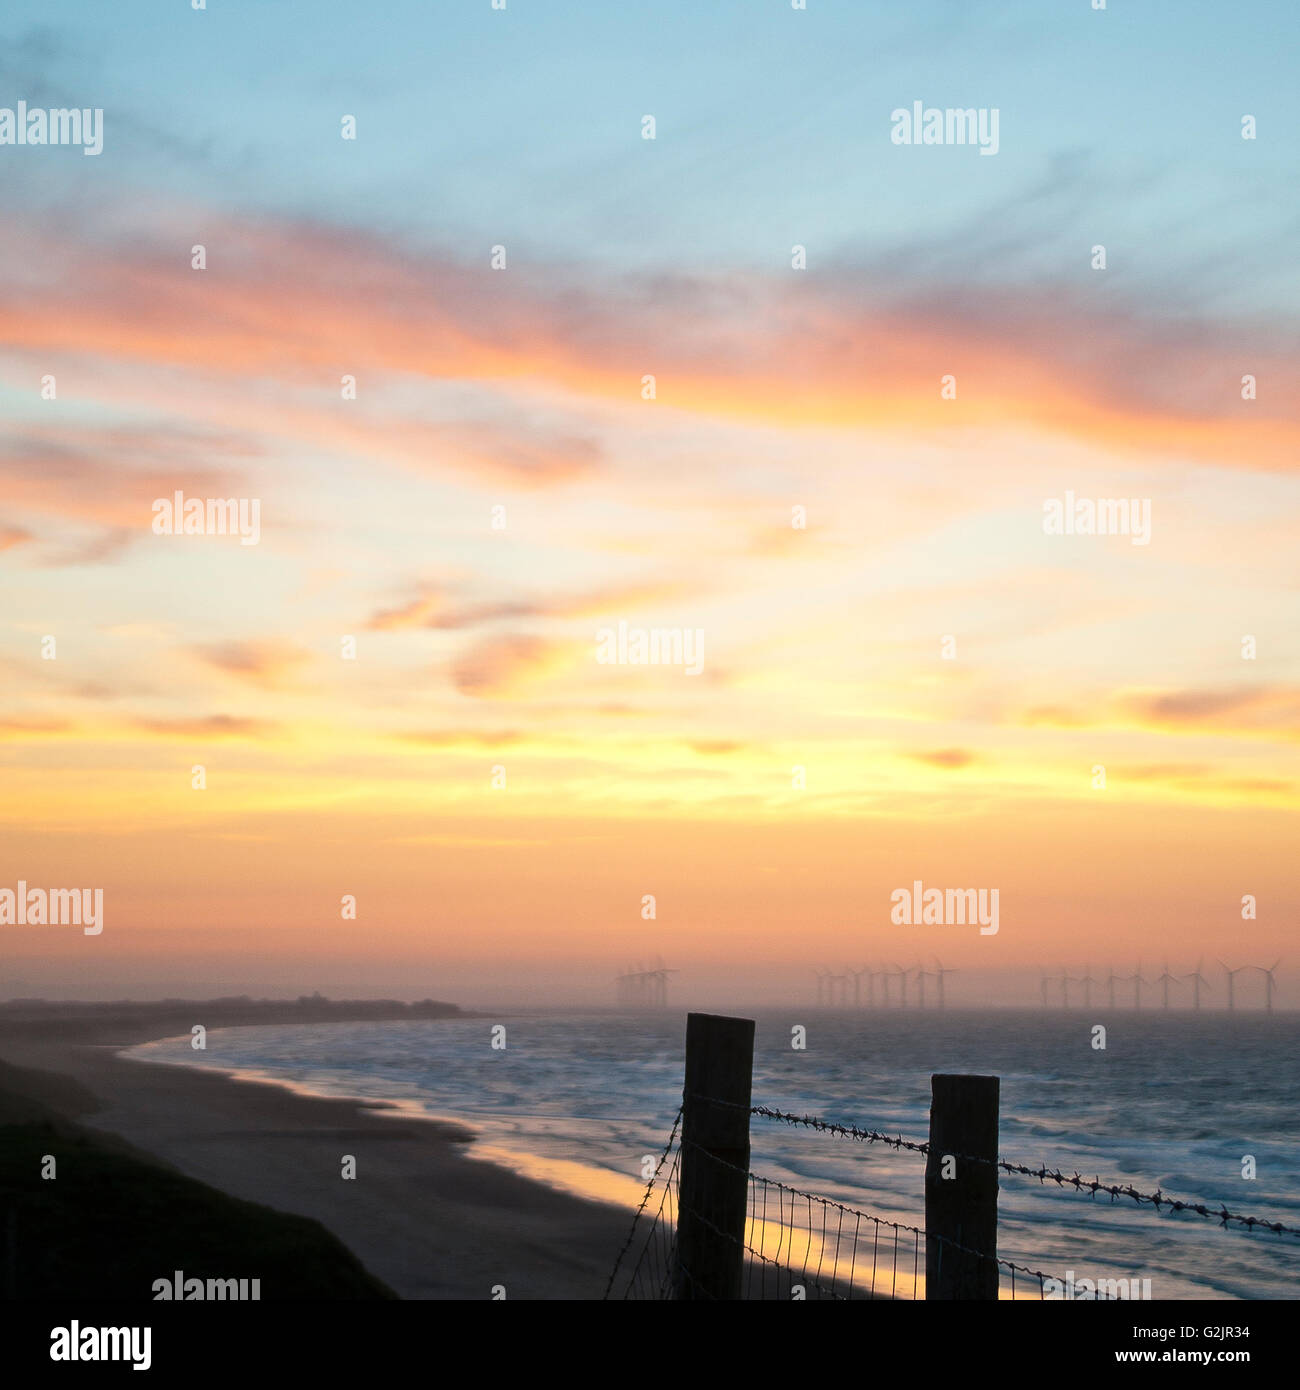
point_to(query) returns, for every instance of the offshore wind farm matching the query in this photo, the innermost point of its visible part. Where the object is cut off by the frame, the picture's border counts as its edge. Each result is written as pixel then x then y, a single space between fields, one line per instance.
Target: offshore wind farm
pixel 1176 991
pixel 889 985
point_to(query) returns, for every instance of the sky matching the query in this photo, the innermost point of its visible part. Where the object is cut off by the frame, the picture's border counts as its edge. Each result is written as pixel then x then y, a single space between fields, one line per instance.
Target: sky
pixel 875 365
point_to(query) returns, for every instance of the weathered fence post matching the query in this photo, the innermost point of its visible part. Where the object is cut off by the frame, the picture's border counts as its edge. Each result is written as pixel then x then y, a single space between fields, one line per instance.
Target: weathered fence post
pixel 961 1209
pixel 713 1191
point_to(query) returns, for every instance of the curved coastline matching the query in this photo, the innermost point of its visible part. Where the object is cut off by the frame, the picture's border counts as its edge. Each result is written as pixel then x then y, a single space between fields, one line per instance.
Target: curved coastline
pixel 486 1139
pixel 424 1217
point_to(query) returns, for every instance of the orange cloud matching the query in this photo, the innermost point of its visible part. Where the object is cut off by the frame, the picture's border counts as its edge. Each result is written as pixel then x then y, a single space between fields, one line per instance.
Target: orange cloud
pixel 503 665
pixel 856 348
pixel 1248 710
pixel 1238 707
pixel 945 757
pixel 265 664
pixel 436 612
pixel 30 728
pixel 218 726
pixel 112 476
pixel 460 738
pixel 417 613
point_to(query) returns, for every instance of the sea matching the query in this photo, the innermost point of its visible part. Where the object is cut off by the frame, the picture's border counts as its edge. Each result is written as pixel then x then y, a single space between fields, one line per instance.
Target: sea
pixel 1200 1106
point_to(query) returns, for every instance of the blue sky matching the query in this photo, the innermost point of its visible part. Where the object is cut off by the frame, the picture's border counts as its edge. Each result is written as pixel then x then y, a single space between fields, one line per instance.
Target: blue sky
pixel 523 127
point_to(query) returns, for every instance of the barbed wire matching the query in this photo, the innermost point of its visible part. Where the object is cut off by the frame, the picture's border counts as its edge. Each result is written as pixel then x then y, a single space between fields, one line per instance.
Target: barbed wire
pixel 1077 1181
pixel 645 1198
pixel 831 1204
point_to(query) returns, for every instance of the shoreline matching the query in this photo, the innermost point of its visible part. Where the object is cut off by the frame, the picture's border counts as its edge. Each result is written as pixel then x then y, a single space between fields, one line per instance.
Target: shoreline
pixel 583 1181
pixel 421 1214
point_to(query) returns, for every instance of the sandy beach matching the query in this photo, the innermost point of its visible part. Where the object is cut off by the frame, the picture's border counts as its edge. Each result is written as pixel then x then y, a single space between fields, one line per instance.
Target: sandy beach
pixel 421 1215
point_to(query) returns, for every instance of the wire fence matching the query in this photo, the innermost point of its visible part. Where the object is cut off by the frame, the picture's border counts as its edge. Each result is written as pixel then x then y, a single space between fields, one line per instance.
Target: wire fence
pixel 800 1245
pixel 797 1245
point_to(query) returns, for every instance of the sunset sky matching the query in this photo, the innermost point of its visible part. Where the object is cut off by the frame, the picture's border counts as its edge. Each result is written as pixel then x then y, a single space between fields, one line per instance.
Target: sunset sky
pixel 521 389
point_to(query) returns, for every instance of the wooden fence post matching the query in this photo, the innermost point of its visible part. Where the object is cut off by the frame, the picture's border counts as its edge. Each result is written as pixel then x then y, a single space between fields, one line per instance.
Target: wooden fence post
pixel 962 1208
pixel 713 1189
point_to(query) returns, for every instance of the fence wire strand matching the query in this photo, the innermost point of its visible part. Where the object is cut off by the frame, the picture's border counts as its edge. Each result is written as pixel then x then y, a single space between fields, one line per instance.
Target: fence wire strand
pixel 1074 1181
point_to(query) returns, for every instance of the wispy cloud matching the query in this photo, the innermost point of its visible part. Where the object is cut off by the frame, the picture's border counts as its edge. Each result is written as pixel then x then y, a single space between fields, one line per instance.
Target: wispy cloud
pixel 439 612
pixel 847 348
pixel 113 475
pixel 268 664
pixel 1242 710
pixel 32 728
pixel 11 536
pixel 504 665
pixel 213 726
pixel 950 758
pixel 461 738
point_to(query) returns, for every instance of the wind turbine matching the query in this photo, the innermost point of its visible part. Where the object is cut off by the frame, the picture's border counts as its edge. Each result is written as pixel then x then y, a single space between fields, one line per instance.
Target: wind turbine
pixel 1087 982
pixel 663 982
pixel 921 973
pixel 1111 977
pixel 1232 975
pixel 884 988
pixel 1066 981
pixel 871 984
pixel 834 990
pixel 1138 982
pixel 637 985
pixel 939 973
pixel 1197 980
pixel 1164 981
pixel 1269 982
pixel 902 985
pixel 658 983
